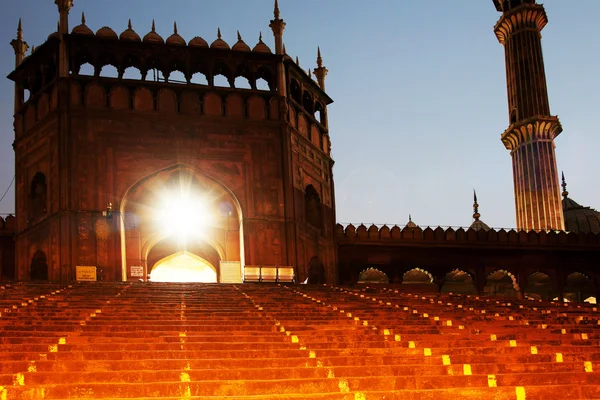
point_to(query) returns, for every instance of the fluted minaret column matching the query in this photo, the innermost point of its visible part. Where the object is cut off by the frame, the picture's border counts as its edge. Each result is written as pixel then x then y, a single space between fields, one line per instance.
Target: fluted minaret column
pixel 278 26
pixel 20 47
pixel 530 136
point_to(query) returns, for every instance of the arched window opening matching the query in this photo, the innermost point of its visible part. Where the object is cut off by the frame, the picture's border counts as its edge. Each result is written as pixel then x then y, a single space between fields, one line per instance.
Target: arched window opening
pixel 26 95
pixel 417 276
pixel 241 82
pixel 373 275
pixel 177 77
pixel 132 73
pixel 318 114
pixel 109 71
pixel 262 84
pixel 502 283
pixel 312 207
pixel 86 69
pixel 221 81
pixel 316 272
pixel 295 91
pixel 199 79
pixel 307 103
pixel 579 287
pixel 539 287
pixel 458 281
pixel 39 267
pixel 513 116
pixel 50 72
pixel 37 196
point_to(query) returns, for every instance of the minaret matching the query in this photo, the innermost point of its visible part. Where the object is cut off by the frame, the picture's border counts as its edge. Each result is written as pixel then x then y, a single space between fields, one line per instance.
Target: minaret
pixel 20 47
pixel 64 6
pixel 278 26
pixel 320 71
pixel 530 136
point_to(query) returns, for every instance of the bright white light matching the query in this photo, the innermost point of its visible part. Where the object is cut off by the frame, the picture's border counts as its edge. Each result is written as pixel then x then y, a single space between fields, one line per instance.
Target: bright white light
pixel 184 268
pixel 184 216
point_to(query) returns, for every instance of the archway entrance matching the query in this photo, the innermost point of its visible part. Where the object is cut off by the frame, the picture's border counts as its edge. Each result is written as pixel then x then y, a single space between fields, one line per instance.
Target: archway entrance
pixel 180 225
pixel 184 267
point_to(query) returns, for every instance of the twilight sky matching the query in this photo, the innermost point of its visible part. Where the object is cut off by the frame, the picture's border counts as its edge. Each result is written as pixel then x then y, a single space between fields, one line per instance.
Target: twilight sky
pixel 419 90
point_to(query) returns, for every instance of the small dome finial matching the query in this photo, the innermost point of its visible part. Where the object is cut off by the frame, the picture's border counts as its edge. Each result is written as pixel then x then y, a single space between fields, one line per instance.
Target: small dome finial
pixel 175 27
pixel 153 26
pixel 260 37
pixel 319 59
pixel 218 33
pixel 82 18
pixel 239 36
pixel 297 61
pixel 565 193
pixel 20 30
pixel 129 25
pixel 276 12
pixel 476 214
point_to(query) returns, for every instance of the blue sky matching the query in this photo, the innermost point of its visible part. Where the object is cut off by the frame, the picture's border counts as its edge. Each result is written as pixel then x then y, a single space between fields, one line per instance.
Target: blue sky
pixel 419 90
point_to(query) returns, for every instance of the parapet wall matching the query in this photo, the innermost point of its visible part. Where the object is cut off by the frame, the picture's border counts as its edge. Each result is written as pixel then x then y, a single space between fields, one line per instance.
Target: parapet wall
pixel 397 235
pixel 8 225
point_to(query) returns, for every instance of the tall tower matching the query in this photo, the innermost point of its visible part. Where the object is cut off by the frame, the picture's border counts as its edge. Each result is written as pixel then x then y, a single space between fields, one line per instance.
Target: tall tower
pixel 530 136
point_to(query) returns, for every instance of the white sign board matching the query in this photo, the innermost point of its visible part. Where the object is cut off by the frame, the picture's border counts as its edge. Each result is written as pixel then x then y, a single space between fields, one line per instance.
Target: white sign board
pixel 137 271
pixel 85 274
pixel 231 272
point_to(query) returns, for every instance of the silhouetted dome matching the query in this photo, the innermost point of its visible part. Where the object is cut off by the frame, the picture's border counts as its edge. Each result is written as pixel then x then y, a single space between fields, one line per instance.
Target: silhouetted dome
pixel 175 39
pixel 240 45
pixel 198 42
pixel 153 37
pixel 219 43
pixel 130 34
pixel 106 33
pixel 410 223
pixel 579 218
pixel 83 28
pixel 261 47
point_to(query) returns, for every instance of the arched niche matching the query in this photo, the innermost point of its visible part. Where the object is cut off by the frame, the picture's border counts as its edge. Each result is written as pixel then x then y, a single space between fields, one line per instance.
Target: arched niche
pixel 38 270
pixel 373 275
pixel 179 205
pixel 417 276
pixel 458 281
pixel 502 283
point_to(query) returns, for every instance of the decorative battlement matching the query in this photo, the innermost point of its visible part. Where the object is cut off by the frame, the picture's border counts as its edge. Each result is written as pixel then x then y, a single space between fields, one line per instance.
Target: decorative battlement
pixel 451 236
pixel 7 225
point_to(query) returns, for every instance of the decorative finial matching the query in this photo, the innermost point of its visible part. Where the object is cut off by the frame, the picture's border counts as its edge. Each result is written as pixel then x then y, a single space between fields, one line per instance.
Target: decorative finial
pixel 565 193
pixel 476 214
pixel 20 30
pixel 82 18
pixel 175 27
pixel 409 218
pixel 276 10
pixel 239 36
pixel 153 26
pixel 260 38
pixel 297 61
pixel 218 33
pixel 319 59
pixel 309 73
pixel 129 24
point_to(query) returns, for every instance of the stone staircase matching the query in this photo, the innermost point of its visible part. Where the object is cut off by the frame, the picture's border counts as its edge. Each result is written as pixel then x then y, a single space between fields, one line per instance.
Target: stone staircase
pixel 260 341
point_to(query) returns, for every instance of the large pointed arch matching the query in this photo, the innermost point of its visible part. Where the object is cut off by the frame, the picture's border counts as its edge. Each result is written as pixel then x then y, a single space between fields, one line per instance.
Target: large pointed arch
pixel 140 216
